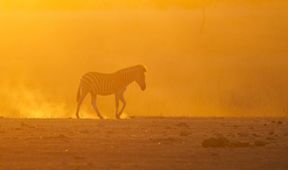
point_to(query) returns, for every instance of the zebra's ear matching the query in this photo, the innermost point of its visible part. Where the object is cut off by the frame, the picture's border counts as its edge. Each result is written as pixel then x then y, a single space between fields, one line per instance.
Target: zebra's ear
pixel 145 69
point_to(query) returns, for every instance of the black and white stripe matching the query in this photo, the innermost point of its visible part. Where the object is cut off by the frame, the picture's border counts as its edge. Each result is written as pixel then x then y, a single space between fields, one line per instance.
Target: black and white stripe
pixel 107 84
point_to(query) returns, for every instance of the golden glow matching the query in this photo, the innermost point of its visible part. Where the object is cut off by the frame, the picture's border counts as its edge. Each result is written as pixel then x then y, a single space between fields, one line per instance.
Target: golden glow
pixel 234 63
pixel 40 5
pixel 72 4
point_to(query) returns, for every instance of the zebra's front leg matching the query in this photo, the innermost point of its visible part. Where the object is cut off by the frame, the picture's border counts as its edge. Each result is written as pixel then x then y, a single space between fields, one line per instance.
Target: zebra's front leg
pixel 116 105
pixel 93 101
pixel 123 107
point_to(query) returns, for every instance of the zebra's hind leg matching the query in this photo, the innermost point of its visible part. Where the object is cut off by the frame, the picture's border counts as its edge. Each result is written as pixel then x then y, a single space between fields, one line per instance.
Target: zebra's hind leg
pixel 79 104
pixel 123 107
pixel 93 101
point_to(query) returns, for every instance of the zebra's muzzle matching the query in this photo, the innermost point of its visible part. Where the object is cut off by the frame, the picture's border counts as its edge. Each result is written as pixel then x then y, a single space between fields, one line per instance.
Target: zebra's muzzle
pixel 143 88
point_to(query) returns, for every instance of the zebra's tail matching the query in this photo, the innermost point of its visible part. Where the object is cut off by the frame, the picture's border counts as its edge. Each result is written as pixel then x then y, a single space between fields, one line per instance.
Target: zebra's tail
pixel 78 93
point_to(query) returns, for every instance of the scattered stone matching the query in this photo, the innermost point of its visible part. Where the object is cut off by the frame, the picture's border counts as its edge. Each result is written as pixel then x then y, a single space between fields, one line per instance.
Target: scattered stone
pixel 182 124
pixel 79 157
pixel 270 138
pixel 109 131
pixel 242 134
pixel 168 127
pixel 239 144
pixel 26 125
pixel 132 117
pixel 221 142
pixel 214 154
pixel 215 142
pixel 184 133
pixel 168 140
pixel 259 143
pixel 218 134
pixel 84 131
pixel 231 135
pixel 57 137
pixel 17 129
pixel 255 135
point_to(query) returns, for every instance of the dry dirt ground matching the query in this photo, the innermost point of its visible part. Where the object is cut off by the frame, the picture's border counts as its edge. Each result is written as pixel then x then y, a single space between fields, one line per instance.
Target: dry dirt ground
pixel 144 143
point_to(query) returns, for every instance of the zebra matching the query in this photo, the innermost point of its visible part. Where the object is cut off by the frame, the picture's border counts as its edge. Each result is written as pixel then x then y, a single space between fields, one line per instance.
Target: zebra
pixel 108 84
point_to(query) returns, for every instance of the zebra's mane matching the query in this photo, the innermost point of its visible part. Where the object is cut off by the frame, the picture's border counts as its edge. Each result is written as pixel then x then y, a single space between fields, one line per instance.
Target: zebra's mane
pixel 133 68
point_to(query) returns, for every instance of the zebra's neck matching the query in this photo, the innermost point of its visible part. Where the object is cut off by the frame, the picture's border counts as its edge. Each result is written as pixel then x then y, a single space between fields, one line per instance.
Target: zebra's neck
pixel 127 77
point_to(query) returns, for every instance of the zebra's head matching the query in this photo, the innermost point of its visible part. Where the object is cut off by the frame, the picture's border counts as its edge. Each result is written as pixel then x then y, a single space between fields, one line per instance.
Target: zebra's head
pixel 140 76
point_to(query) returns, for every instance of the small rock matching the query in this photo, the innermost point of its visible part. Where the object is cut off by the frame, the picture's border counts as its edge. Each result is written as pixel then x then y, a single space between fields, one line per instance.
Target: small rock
pixel 85 131
pixel 60 137
pixel 255 135
pixel 214 154
pixel 182 124
pixel 27 125
pixel 270 138
pixel 242 134
pixel 215 142
pixel 259 143
pixel 239 144
pixel 167 140
pixel 184 133
pixel 78 157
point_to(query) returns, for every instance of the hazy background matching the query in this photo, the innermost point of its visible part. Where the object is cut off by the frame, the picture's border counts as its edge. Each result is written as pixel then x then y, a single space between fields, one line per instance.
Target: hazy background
pixel 204 58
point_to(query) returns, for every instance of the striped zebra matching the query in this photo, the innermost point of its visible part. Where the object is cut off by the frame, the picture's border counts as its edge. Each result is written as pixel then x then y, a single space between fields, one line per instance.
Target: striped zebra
pixel 108 84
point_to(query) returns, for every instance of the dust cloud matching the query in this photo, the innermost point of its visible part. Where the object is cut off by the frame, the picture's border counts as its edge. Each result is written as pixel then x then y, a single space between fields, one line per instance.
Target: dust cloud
pixel 234 65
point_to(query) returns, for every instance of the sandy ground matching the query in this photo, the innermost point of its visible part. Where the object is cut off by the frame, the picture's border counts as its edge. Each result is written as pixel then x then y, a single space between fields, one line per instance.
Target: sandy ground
pixel 143 143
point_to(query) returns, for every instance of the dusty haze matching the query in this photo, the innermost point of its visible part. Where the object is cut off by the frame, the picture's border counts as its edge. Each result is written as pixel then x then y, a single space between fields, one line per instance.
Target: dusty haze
pixel 230 60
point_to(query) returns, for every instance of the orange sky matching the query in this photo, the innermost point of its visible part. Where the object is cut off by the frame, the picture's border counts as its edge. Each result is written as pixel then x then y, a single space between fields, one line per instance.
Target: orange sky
pixel 234 64
pixel 41 5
